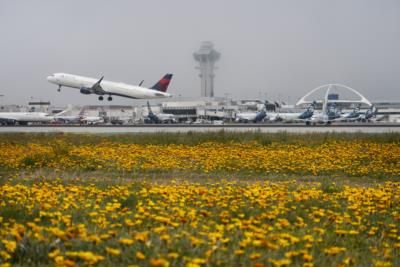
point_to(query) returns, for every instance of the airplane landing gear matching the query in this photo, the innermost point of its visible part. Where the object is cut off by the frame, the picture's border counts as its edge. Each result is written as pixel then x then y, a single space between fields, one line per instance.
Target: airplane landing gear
pixel 59 88
pixel 101 98
pixel 109 98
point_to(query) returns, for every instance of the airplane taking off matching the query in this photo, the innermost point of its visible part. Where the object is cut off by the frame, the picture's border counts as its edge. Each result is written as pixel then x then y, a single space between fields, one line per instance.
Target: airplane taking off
pixel 99 87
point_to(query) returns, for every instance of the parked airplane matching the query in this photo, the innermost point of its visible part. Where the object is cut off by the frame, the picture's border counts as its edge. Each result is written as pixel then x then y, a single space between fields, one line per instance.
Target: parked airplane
pixel 330 113
pixel 354 115
pixel 369 114
pixel 252 116
pixel 99 87
pixel 158 118
pixel 64 118
pixel 23 118
pixel 333 115
pixel 79 118
pixel 297 117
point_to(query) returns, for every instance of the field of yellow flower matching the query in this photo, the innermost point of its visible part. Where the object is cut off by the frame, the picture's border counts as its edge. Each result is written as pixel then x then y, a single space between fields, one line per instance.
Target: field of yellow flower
pixel 331 157
pixel 180 223
pixel 234 200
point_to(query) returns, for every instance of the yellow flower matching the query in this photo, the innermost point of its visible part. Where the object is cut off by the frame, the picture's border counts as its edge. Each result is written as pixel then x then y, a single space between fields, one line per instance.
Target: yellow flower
pixel 126 241
pixel 141 236
pixel 9 244
pixel 113 251
pixel 87 256
pixel 5 255
pixel 382 264
pixel 159 263
pixel 198 261
pixel 140 255
pixel 307 257
pixel 254 256
pixel 334 250
pixel 54 253
pixel 173 255
pixel 239 252
pixel 280 263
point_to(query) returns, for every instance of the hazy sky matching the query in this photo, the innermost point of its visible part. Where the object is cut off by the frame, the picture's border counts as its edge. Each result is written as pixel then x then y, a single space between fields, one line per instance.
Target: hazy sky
pixel 269 48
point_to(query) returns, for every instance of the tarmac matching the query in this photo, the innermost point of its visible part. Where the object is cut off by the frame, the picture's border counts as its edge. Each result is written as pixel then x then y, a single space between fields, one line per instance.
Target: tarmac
pixel 183 128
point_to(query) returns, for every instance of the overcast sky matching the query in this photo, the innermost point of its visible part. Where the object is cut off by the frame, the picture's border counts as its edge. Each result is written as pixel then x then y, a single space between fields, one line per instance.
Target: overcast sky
pixel 269 48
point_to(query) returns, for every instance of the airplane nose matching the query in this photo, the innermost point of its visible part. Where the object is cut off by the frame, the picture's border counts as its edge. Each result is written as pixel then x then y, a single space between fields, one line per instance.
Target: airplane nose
pixel 51 78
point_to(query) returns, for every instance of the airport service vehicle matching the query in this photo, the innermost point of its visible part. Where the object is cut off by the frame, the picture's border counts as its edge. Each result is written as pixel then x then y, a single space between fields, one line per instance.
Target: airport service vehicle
pixel 201 121
pixel 23 118
pixel 218 122
pixel 102 88
pixel 255 117
pixel 92 120
pixel 158 118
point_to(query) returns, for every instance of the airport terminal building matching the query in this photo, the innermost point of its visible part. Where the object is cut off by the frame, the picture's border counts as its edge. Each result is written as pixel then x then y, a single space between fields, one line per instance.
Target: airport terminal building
pixel 207 109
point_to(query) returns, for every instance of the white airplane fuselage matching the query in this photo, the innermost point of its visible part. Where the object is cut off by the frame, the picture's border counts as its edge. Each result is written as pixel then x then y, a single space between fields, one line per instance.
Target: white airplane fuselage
pixel 165 116
pixel 319 117
pixel 108 87
pixel 25 117
pixel 289 117
pixel 246 117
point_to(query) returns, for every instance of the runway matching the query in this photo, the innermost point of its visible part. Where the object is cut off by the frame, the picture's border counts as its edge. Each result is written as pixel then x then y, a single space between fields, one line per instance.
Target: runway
pixel 267 128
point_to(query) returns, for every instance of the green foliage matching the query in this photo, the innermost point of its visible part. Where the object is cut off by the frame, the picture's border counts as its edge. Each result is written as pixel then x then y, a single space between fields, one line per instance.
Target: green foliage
pixel 193 138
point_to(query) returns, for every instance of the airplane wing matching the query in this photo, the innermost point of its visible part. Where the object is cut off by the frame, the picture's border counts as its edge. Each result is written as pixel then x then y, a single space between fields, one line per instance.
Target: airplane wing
pixel 97 87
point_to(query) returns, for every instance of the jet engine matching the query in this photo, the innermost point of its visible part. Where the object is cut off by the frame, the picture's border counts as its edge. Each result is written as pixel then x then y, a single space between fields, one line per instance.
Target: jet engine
pixel 86 91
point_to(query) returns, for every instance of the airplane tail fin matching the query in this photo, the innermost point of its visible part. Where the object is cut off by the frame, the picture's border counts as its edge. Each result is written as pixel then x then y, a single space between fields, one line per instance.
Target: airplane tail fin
pixel 374 109
pixel 162 85
pixel 65 111
pixel 149 108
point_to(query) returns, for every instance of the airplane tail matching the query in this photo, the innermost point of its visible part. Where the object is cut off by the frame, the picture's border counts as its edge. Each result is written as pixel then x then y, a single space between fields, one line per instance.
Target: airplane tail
pixel 65 111
pixel 149 108
pixel 162 85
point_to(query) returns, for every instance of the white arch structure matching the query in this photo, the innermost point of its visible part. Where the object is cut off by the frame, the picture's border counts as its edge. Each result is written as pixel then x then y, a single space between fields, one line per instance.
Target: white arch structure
pixel 328 87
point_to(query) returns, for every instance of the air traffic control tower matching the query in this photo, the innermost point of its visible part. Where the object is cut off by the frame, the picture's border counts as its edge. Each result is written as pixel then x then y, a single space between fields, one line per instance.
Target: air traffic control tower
pixel 207 56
